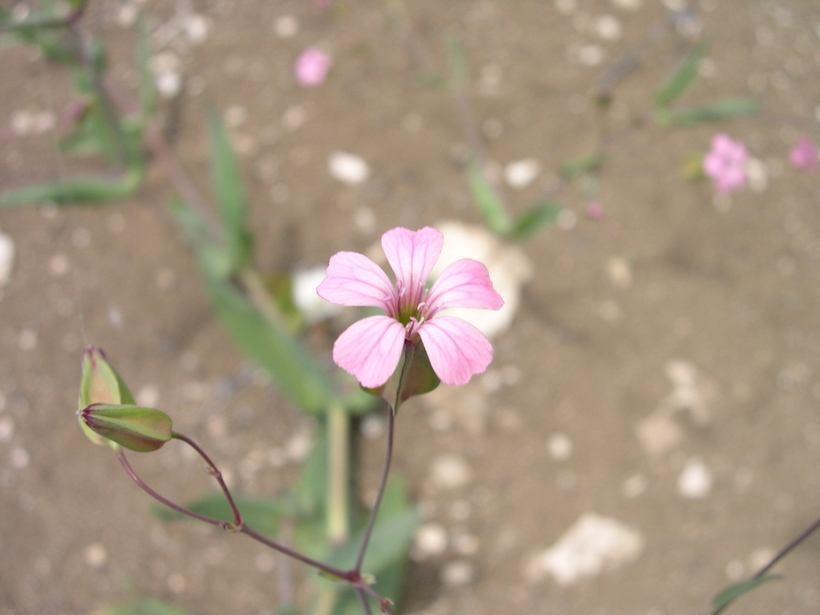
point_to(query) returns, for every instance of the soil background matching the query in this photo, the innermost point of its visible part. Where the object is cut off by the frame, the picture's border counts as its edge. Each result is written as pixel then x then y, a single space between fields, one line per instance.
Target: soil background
pixel 670 277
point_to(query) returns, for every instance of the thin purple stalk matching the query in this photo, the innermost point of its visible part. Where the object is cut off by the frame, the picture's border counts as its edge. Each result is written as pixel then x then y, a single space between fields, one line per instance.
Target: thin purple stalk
pixel 371 522
pixel 214 471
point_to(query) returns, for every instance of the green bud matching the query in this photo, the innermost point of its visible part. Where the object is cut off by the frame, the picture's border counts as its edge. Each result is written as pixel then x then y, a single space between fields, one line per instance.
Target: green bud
pixel 134 427
pixel 101 384
pixel 413 376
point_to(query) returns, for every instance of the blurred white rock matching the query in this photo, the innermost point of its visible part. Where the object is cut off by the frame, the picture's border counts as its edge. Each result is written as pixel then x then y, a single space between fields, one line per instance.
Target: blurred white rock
pixel 450 471
pixel 348 168
pixel 6 258
pixel 312 307
pixel 521 173
pixel 592 545
pixel 509 270
pixel 696 479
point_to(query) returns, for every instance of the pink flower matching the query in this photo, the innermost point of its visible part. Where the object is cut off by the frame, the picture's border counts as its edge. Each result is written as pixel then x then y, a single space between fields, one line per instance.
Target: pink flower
pixel 371 348
pixel 311 66
pixel 725 163
pixel 804 155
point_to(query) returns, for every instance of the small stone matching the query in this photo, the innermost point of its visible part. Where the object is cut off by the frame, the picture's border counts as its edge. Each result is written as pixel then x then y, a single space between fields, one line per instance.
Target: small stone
pixel 310 305
pixel 348 168
pixel 521 173
pixel 465 544
pixel 19 458
pixel 236 115
pixel 593 544
pixel 567 220
pixel 147 395
pixel 628 5
pixel 634 486
pixel 286 26
pixel 27 340
pixel 695 481
pixel 451 472
pixel 566 7
pixel 658 434
pixel 6 428
pixel 559 446
pixel 6 258
pixel 757 175
pixel 608 27
pixel 590 55
pixel 168 83
pixel 372 427
pixel 458 573
pixel 95 555
pixel 619 272
pixel 298 446
pixel 429 540
pixel 196 28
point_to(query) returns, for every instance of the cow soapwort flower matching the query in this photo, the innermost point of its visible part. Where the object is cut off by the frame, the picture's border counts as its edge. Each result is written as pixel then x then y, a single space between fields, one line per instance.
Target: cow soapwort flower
pixel 371 348
pixel 804 155
pixel 725 163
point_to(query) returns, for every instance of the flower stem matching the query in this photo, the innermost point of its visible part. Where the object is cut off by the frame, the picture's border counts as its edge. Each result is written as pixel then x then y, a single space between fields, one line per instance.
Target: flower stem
pixel 371 522
pixel 338 521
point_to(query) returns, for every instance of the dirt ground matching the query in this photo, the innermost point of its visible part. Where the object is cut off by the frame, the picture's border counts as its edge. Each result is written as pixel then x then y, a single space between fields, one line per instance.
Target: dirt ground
pixel 663 369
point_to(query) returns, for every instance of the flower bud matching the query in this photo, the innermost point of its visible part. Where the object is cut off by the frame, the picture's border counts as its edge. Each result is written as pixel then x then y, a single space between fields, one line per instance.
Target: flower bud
pixel 100 384
pixel 134 427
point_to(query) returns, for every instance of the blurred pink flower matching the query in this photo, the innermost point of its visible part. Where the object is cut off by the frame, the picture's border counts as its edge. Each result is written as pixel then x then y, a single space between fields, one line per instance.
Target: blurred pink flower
pixel 371 348
pixel 595 210
pixel 311 66
pixel 804 155
pixel 725 163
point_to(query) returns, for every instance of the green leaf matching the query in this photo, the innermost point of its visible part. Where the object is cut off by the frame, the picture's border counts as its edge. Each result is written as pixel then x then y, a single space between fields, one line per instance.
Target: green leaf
pixel 147 87
pixel 732 592
pixel 80 190
pixel 681 78
pixel 310 491
pixel 487 201
pixel 211 256
pixel 581 164
pixel 391 537
pixel 287 362
pixel 538 216
pixel 723 109
pixel 148 606
pixel 230 194
pixel 261 514
pixel 459 71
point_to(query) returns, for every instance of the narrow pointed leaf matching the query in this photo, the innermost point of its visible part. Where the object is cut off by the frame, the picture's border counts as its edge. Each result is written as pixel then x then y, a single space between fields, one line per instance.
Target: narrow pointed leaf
pixel 581 164
pixel 732 592
pixel 487 201
pixel 79 190
pixel 716 111
pixel 681 78
pixel 534 219
pixel 261 514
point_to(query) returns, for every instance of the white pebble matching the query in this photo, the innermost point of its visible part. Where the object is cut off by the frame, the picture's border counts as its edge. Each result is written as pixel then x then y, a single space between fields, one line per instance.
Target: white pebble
pixel 168 83
pixel 521 173
pixel 196 28
pixel 608 27
pixel 634 486
pixel 372 427
pixel 590 55
pixel 236 115
pixel 6 428
pixel 451 472
pixel 147 395
pixel 310 305
pixel 458 573
pixel 95 555
pixel 429 540
pixel 298 446
pixel 592 545
pixel 6 258
pixel 27 340
pixel 286 26
pixel 559 446
pixel 628 5
pixel 19 458
pixel 294 117
pixel 348 168
pixel 757 174
pixel 695 481
pixel 567 7
pixel 619 272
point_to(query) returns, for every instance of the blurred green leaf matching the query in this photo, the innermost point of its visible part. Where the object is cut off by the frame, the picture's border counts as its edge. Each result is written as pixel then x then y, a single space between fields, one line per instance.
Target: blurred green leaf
pixel 287 609
pixel 213 260
pixel 148 606
pixel 681 78
pixel 487 201
pixel 80 190
pixel 459 71
pixel 261 514
pixel 230 194
pixel 310 491
pixel 581 164
pixel 723 109
pixel 147 87
pixel 532 220
pixel 728 595
pixel 286 361
pixel 391 537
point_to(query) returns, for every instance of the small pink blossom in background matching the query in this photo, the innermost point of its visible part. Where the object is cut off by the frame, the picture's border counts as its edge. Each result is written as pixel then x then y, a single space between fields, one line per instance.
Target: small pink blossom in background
pixel 311 66
pixel 804 155
pixel 371 348
pixel 725 163
pixel 595 210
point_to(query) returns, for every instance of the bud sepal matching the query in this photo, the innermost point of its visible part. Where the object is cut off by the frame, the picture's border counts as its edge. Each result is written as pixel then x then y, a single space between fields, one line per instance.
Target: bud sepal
pixel 134 427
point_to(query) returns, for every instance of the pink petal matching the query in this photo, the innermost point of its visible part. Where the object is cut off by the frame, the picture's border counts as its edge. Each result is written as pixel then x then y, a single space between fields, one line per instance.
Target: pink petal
pixel 465 283
pixel 457 350
pixel 354 280
pixel 370 349
pixel 311 66
pixel 412 255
